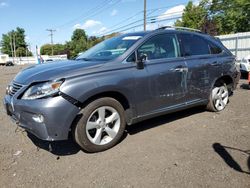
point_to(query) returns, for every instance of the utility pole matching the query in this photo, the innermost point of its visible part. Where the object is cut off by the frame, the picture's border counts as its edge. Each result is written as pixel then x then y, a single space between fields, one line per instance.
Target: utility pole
pixel 26 51
pixel 51 35
pixel 29 50
pixel 14 46
pixel 145 15
pixel 11 46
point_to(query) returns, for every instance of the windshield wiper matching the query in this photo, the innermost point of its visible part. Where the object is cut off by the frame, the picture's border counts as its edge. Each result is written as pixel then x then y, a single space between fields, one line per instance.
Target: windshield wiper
pixel 84 59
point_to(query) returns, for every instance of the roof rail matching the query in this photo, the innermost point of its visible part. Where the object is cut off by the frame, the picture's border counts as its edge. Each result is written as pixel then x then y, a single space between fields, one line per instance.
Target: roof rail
pixel 180 28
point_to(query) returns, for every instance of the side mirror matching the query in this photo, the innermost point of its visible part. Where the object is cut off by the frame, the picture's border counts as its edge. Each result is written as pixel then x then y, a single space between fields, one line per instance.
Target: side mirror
pixel 141 60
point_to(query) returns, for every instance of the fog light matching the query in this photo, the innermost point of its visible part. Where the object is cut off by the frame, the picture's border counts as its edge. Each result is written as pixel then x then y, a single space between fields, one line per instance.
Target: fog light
pixel 38 118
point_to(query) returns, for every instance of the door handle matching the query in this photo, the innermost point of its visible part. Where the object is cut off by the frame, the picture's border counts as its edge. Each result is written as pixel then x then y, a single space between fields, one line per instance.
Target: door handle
pixel 179 69
pixel 215 63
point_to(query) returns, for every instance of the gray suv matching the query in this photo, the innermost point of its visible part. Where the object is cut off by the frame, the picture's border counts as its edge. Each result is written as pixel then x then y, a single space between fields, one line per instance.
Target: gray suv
pixel 119 82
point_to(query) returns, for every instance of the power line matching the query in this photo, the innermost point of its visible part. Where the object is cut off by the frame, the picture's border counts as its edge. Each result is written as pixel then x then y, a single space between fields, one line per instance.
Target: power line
pixel 139 25
pixel 125 20
pixel 132 23
pixel 149 12
pixel 130 18
pixel 145 14
pixel 93 11
pixel 84 14
pixel 103 6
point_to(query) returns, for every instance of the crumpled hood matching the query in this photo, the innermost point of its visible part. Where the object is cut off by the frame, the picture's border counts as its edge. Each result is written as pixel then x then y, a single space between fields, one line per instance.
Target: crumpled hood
pixel 56 70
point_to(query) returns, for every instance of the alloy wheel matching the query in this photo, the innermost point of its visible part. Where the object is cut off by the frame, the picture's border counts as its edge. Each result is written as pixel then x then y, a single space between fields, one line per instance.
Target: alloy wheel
pixel 220 97
pixel 103 125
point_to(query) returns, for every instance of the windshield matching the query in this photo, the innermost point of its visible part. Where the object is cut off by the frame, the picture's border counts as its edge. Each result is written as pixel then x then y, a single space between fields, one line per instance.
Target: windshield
pixel 109 49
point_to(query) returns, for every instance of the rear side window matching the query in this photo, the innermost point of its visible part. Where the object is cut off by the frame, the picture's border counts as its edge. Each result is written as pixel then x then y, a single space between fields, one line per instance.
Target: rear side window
pixel 193 45
pixel 159 47
pixel 214 49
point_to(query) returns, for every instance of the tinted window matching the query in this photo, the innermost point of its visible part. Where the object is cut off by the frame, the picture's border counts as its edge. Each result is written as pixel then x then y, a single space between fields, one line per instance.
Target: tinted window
pixel 160 46
pixel 214 49
pixel 194 45
pixel 131 58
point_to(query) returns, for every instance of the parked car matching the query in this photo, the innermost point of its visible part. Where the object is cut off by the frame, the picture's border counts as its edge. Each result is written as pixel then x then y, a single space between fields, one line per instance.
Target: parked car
pixel 9 63
pixel 48 60
pixel 245 64
pixel 122 81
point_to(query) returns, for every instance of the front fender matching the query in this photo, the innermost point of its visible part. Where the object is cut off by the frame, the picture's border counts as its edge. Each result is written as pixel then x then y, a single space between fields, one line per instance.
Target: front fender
pixel 84 87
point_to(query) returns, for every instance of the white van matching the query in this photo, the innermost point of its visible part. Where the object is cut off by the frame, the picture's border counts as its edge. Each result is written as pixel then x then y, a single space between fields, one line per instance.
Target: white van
pixel 4 60
pixel 245 64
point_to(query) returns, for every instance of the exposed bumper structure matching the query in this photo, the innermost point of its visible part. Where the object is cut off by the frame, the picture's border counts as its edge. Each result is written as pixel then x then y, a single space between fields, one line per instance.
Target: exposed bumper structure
pixel 57 116
pixel 236 76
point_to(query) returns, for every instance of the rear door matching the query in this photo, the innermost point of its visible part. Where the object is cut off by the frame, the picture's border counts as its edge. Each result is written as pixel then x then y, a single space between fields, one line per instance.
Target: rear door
pixel 202 66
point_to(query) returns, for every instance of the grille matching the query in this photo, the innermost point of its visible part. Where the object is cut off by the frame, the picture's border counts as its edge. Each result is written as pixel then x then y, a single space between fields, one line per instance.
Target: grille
pixel 13 88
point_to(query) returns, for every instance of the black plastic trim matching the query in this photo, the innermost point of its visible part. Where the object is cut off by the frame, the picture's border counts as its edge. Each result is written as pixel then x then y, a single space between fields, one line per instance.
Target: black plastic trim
pixel 71 99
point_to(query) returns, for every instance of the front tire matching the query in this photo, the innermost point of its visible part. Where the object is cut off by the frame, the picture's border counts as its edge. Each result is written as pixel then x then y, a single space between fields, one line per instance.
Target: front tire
pixel 101 125
pixel 219 98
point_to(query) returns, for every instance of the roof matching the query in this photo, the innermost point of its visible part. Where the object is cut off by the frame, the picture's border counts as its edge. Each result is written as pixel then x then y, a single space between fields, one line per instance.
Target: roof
pixel 169 29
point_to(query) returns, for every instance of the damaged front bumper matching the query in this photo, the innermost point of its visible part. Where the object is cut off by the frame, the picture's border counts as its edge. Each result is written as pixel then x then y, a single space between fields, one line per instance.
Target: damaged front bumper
pixel 49 119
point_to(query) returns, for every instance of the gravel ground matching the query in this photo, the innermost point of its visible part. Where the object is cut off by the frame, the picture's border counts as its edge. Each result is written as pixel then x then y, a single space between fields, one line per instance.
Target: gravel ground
pixel 192 148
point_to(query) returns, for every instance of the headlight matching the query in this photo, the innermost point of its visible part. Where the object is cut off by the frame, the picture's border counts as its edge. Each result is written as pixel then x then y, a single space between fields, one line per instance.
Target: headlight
pixel 42 90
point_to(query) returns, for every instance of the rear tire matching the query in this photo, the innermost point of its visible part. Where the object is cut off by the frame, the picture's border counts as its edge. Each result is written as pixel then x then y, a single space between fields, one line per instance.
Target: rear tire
pixel 9 63
pixel 218 98
pixel 101 125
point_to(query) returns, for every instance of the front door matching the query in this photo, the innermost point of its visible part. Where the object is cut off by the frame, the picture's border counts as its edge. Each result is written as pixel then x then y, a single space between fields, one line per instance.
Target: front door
pixel 162 83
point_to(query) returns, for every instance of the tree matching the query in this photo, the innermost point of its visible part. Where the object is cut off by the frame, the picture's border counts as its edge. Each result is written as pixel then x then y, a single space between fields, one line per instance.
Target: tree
pixel 217 16
pixel 78 43
pixel 232 15
pixel 210 26
pixel 79 34
pixel 112 35
pixel 93 40
pixel 192 17
pixel 58 49
pixel 18 37
pixel 5 43
pixel 21 51
pixel 46 49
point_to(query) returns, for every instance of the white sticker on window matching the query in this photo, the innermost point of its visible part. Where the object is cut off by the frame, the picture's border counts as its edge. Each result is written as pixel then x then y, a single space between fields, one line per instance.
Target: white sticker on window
pixel 131 38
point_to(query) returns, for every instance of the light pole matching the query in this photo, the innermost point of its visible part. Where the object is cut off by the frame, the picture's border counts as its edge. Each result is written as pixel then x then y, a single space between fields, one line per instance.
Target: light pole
pixel 145 15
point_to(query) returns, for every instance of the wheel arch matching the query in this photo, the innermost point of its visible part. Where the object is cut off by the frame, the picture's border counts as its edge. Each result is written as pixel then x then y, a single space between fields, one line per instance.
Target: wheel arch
pixel 227 79
pixel 121 98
